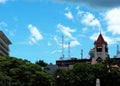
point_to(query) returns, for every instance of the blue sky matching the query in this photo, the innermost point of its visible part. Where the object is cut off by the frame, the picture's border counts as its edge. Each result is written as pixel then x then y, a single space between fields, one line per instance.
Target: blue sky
pixel 35 27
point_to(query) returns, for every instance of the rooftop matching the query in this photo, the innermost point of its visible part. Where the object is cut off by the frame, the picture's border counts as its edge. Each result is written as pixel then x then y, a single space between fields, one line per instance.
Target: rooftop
pixel 5 37
pixel 100 40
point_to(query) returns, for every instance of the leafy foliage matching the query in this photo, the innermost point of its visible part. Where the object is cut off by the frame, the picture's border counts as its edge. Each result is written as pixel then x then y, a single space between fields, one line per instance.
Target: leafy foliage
pixel 86 74
pixel 18 72
pixel 41 63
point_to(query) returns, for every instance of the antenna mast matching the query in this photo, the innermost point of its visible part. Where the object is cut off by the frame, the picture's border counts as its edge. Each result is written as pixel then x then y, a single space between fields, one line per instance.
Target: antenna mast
pixel 68 49
pixel 117 50
pixel 81 53
pixel 62 57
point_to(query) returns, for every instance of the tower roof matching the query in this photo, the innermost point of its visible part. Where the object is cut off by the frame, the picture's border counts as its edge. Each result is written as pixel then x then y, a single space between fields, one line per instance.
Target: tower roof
pixel 100 40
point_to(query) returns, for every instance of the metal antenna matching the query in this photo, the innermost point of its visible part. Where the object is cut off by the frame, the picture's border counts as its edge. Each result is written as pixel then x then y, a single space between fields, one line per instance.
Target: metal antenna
pixel 68 49
pixel 62 47
pixel 81 53
pixel 117 50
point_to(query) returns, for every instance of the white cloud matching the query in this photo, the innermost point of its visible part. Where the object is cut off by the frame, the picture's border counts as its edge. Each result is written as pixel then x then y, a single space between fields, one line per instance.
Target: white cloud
pixel 66 31
pixel 94 36
pixel 90 20
pixel 112 18
pixel 80 12
pixel 109 40
pixel 35 34
pixel 56 38
pixel 84 29
pixel 55 51
pixel 74 43
pixel 69 15
pixel 67 8
pixel 3 1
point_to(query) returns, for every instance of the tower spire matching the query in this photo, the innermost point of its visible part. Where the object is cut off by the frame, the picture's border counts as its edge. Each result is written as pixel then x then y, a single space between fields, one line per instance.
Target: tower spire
pixel 100 30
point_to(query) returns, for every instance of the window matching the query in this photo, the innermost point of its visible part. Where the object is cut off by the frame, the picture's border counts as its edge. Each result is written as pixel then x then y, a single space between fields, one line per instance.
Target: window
pixel 106 49
pixel 99 49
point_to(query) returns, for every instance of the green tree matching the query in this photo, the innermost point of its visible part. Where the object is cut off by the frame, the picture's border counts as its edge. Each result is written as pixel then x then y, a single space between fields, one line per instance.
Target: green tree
pixel 41 63
pixel 18 72
pixel 84 74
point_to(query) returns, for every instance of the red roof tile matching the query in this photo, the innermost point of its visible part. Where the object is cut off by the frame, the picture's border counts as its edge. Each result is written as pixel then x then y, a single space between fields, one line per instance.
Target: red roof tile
pixel 100 40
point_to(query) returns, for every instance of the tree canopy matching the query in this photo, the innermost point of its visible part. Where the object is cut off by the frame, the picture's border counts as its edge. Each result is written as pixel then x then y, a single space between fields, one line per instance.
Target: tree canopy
pixel 18 72
pixel 84 74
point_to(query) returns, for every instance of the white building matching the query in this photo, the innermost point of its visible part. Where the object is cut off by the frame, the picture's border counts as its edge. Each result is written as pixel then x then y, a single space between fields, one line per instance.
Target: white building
pixel 4 44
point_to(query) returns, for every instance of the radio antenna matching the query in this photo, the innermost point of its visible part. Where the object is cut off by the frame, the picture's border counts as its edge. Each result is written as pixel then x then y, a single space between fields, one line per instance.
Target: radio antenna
pixel 69 50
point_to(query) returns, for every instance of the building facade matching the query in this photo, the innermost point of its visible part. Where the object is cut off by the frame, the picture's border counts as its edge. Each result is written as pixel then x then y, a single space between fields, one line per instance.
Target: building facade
pixel 68 64
pixel 98 54
pixel 4 44
pixel 100 50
